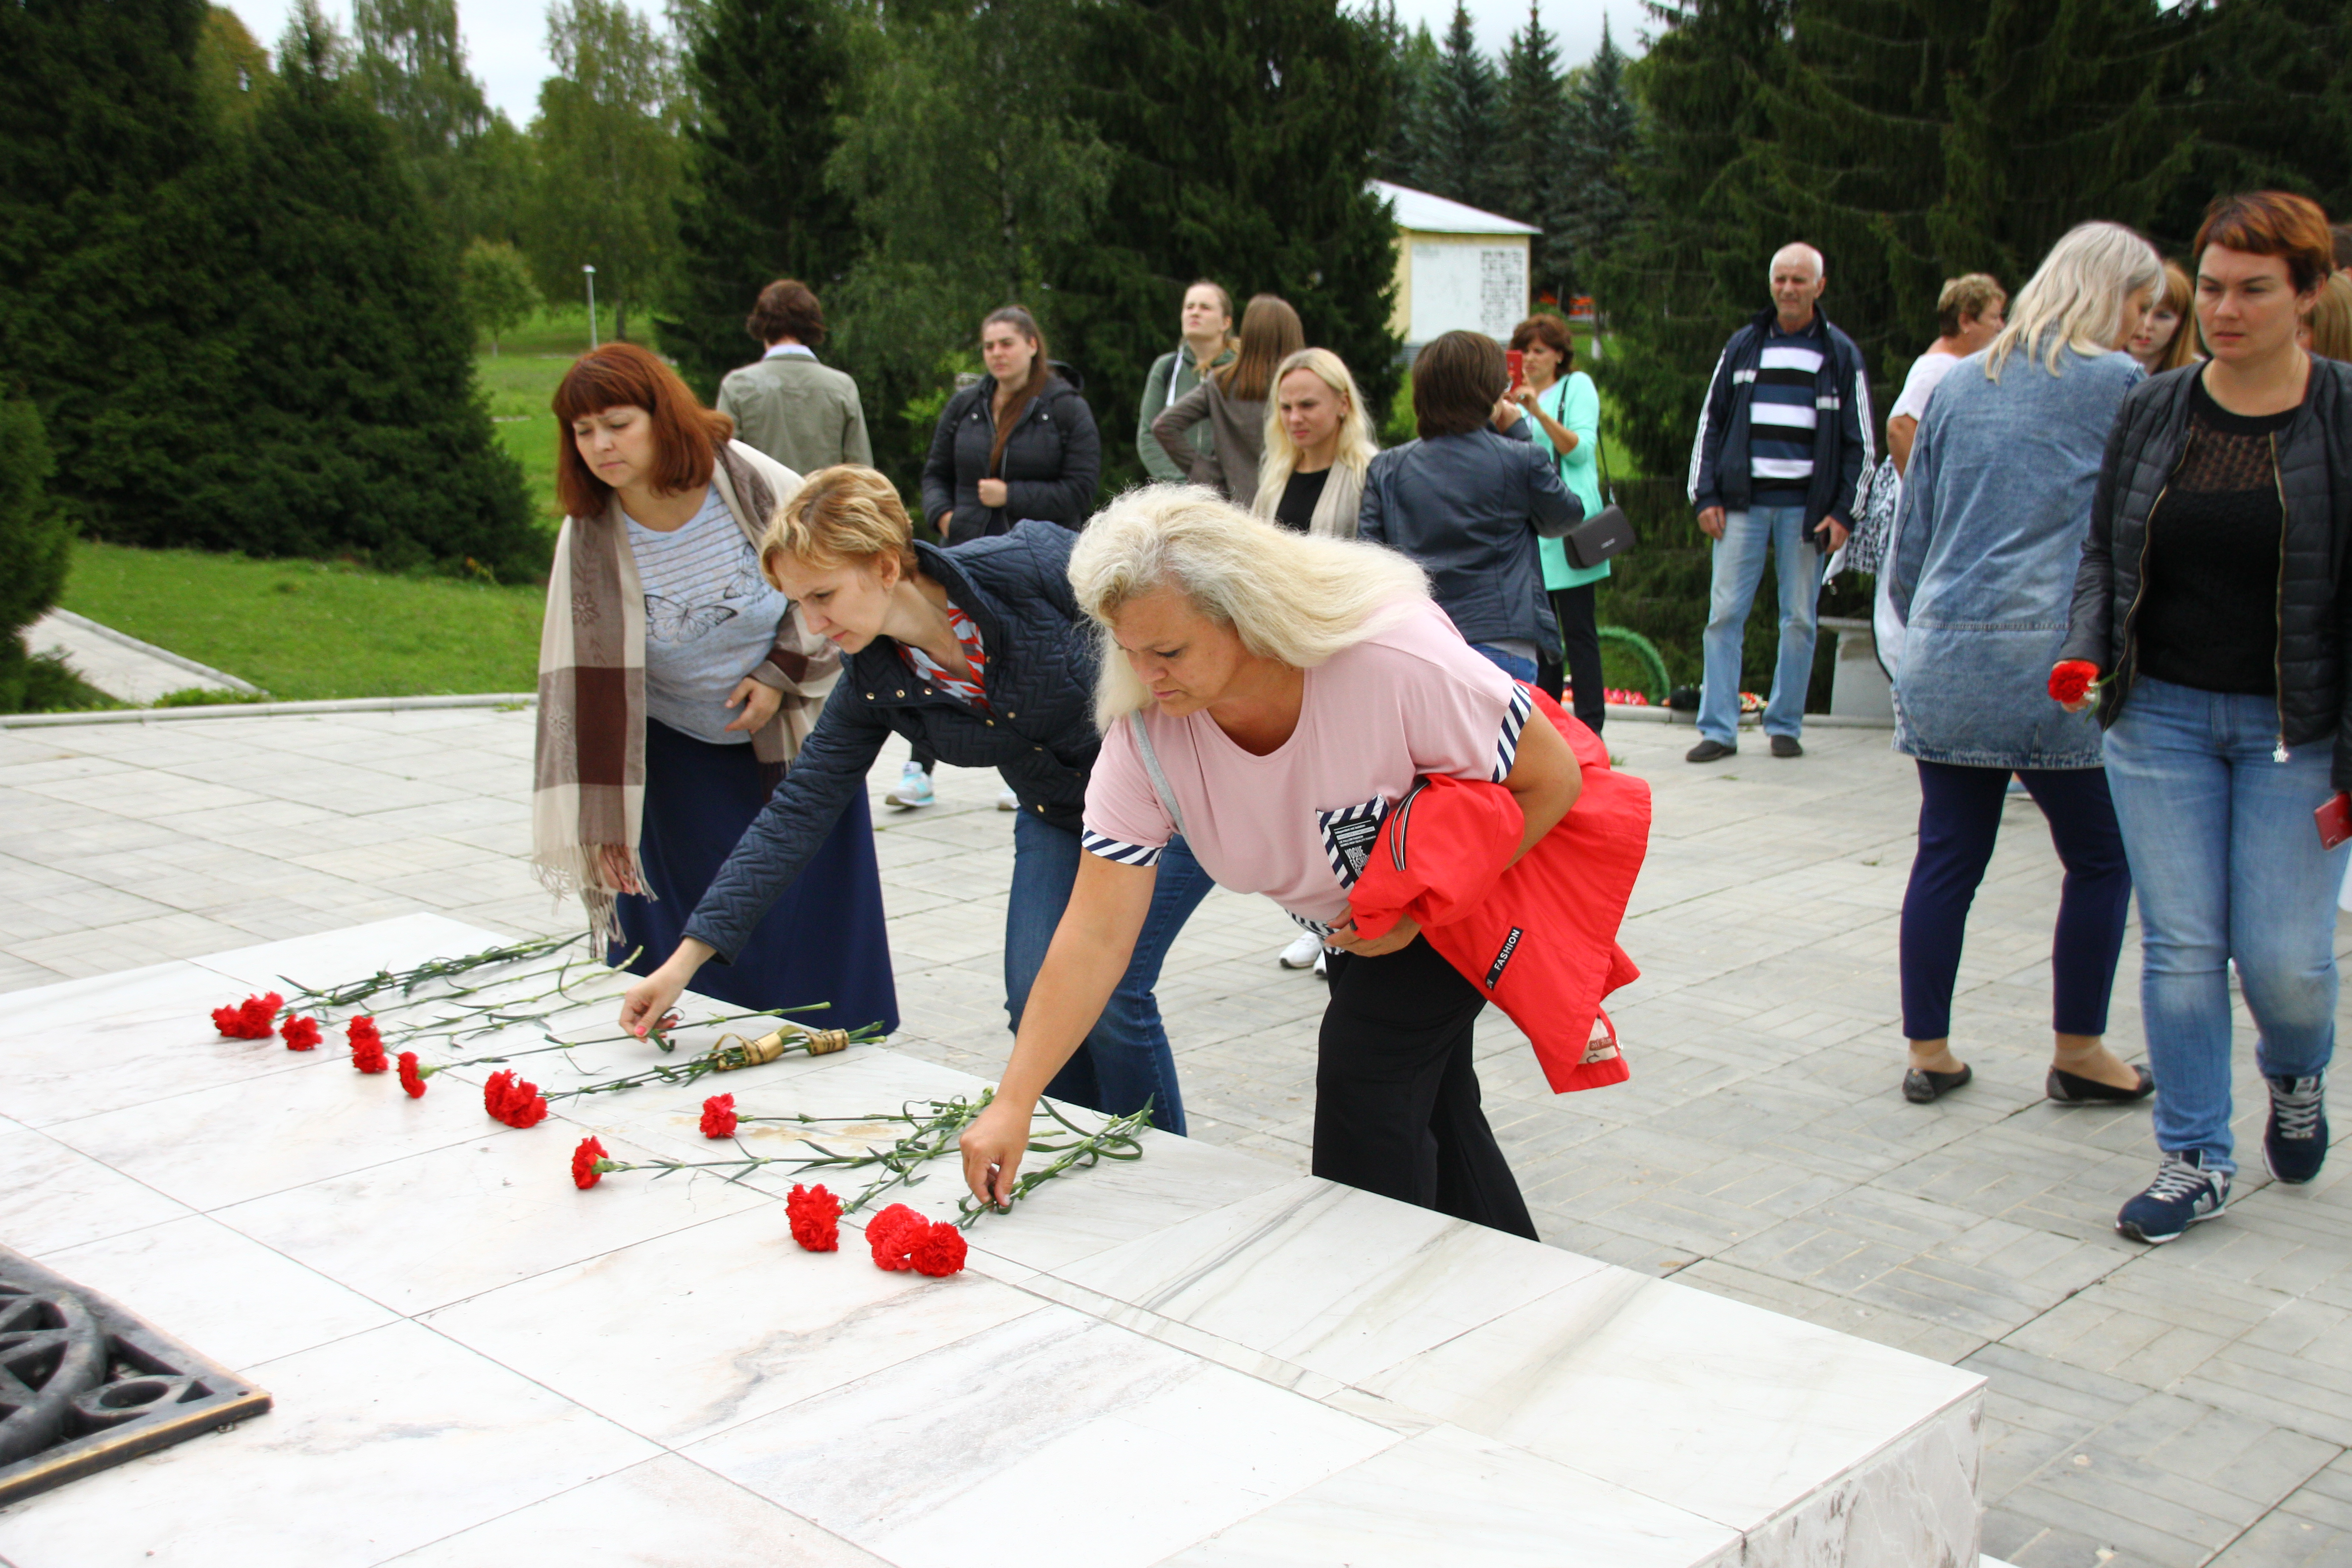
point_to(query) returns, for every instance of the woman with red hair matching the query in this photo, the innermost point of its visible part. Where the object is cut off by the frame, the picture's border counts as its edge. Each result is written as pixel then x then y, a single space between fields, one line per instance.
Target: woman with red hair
pixel 674 684
pixel 2209 612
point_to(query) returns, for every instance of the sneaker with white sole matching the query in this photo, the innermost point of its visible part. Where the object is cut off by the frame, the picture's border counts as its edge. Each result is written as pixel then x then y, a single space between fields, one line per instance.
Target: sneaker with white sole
pixel 2294 1142
pixel 1007 800
pixel 1303 951
pixel 913 788
pixel 2183 1192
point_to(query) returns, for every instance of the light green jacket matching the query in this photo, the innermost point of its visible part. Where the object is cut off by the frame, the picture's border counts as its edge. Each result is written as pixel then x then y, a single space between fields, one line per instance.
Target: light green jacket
pixel 1575 402
pixel 1158 391
pixel 804 415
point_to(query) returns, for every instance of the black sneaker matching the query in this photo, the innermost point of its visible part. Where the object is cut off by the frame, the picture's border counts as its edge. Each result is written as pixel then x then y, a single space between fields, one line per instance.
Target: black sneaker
pixel 2295 1143
pixel 1709 752
pixel 2183 1192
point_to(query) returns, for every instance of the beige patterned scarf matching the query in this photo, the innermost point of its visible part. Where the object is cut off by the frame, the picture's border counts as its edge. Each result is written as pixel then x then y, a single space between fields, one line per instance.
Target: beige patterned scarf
pixel 589 785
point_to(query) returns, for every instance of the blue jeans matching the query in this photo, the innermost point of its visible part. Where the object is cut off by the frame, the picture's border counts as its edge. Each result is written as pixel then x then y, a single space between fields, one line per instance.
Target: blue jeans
pixel 1747 537
pixel 2228 866
pixel 1125 1061
pixel 1510 664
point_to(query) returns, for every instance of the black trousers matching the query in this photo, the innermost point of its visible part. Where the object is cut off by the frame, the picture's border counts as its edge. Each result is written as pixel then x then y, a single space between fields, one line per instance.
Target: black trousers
pixel 1579 637
pixel 1396 1094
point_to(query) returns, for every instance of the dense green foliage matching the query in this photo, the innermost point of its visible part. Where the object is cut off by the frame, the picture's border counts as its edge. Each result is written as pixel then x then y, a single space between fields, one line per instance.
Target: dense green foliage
pixel 34 536
pixel 495 281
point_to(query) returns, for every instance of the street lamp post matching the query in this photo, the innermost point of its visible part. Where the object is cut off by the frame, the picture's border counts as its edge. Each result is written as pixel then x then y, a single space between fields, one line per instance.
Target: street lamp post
pixel 592 304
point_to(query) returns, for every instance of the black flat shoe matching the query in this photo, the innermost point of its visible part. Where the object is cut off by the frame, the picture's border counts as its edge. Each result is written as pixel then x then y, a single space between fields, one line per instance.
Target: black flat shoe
pixel 2068 1089
pixel 1920 1086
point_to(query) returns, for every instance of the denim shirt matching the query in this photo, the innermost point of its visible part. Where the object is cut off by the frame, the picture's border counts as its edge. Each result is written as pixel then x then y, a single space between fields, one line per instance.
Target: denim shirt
pixel 1995 507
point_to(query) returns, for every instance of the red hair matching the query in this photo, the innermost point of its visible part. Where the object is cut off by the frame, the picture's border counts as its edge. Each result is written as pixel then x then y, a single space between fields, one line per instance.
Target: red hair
pixel 686 434
pixel 2273 223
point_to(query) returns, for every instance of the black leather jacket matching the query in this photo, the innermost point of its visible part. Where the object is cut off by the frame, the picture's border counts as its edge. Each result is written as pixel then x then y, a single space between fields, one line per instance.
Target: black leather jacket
pixel 2312 460
pixel 1040 734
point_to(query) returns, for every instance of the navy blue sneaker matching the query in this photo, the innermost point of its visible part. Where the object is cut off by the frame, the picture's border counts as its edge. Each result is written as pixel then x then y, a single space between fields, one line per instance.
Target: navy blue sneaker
pixel 2295 1143
pixel 2183 1192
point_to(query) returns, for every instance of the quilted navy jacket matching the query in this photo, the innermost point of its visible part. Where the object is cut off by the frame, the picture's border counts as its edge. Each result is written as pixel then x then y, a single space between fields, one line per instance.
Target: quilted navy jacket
pixel 1040 734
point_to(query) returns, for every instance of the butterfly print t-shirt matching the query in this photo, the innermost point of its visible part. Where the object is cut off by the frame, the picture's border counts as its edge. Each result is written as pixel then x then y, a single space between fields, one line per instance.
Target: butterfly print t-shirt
pixel 711 619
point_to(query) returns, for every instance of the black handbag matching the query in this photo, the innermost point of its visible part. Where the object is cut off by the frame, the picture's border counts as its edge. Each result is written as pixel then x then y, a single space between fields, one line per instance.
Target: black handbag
pixel 1607 532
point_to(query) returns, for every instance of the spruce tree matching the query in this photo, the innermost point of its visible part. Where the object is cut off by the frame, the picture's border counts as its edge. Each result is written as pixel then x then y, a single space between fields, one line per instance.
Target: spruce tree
pixel 1462 120
pixel 1528 151
pixel 1592 203
pixel 1242 134
pixel 1412 64
pixel 764 82
pixel 34 540
pixel 2267 85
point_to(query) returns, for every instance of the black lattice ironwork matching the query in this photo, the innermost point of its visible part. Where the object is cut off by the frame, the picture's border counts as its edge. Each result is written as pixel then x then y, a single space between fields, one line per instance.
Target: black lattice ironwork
pixel 84 1385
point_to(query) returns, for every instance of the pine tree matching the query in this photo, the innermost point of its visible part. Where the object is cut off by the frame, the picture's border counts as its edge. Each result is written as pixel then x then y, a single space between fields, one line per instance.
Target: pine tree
pixel 1593 205
pixel 34 540
pixel 765 83
pixel 1527 154
pixel 2267 84
pixel 1457 151
pixel 1242 134
pixel 1412 64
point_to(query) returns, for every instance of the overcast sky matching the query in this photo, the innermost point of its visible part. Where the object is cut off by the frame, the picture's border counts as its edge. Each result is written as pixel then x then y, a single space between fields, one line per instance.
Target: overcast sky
pixel 506 39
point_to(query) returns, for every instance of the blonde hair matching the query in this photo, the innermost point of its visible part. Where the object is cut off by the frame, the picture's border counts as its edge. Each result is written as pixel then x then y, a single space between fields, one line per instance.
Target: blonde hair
pixel 1970 294
pixel 1291 596
pixel 846 515
pixel 2331 319
pixel 2179 297
pixel 2075 297
pixel 1357 447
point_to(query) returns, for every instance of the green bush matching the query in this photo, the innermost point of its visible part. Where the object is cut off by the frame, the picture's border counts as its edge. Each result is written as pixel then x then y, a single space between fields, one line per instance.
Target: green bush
pixel 34 536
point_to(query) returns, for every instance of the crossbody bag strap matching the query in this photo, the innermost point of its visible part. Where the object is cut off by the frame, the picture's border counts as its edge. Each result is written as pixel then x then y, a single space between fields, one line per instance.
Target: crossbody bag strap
pixel 1151 766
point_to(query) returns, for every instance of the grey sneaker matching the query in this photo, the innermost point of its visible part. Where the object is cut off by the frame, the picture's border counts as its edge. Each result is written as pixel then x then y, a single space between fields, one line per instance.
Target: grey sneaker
pixel 2183 1192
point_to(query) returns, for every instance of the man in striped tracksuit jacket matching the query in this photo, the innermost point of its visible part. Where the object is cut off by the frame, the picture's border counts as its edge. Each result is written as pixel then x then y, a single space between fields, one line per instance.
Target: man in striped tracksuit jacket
pixel 1782 455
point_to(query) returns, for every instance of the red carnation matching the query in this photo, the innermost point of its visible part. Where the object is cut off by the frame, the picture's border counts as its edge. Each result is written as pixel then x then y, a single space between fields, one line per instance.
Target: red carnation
pixel 495 1094
pixel 892 1234
pixel 719 1120
pixel 816 1215
pixel 300 1033
pixel 939 1251
pixel 2072 680
pixel 589 1164
pixel 513 1100
pixel 251 1020
pixel 367 1054
pixel 411 1078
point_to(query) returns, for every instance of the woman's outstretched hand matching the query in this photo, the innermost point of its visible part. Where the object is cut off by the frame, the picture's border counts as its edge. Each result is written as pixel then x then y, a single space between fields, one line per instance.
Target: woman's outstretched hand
pixel 644 1004
pixel 992 1146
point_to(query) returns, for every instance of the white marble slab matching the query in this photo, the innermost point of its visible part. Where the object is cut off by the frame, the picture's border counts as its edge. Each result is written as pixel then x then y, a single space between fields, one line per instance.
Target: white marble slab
pixel 1717 1407
pixel 379 1443
pixel 52 1197
pixel 328 959
pixel 1913 1504
pixel 664 1513
pixel 1052 1426
pixel 1448 1496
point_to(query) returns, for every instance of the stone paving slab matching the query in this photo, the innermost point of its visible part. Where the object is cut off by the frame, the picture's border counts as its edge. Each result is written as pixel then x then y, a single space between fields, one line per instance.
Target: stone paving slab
pixel 2186 1405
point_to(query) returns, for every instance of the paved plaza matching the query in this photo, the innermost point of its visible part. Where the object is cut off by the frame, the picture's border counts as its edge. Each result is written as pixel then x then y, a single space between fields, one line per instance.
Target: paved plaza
pixel 2178 1405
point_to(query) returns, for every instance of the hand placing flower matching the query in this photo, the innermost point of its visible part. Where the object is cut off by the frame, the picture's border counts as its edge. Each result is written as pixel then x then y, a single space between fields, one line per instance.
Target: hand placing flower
pixel 251 1020
pixel 300 1033
pixel 815 1215
pixel 2072 681
pixel 718 1119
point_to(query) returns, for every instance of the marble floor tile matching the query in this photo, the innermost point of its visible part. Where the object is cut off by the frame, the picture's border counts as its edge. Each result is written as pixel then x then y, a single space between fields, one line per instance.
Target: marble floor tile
pixel 150 1039
pixel 225 1294
pixel 1722 1409
pixel 52 1197
pixel 664 1513
pixel 437 1227
pixel 377 1444
pixel 326 958
pixel 1342 1281
pixel 1426 1499
pixel 690 1333
pixel 971 1455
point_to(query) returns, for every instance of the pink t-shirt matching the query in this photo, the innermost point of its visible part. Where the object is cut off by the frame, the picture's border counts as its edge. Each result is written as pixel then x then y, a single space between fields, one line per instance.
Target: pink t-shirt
pixel 1295 824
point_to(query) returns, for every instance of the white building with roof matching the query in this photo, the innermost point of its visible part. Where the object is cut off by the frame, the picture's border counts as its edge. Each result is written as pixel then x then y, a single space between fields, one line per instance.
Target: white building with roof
pixel 1456 267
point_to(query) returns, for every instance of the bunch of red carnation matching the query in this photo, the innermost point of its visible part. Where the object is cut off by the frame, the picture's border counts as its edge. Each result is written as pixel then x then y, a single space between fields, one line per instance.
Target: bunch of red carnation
pixel 901 1239
pixel 816 1217
pixel 251 1020
pixel 719 1120
pixel 2070 681
pixel 367 1046
pixel 299 1034
pixel 513 1100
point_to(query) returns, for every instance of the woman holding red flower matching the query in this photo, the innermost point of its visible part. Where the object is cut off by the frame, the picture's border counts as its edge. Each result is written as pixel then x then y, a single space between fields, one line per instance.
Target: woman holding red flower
pixel 2209 599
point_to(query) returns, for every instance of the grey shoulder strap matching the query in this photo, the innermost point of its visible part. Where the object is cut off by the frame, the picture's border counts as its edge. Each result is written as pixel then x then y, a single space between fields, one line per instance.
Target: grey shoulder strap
pixel 1152 765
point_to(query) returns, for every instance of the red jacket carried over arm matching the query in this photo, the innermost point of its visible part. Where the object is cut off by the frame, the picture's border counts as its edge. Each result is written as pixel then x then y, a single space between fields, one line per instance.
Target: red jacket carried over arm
pixel 1539 938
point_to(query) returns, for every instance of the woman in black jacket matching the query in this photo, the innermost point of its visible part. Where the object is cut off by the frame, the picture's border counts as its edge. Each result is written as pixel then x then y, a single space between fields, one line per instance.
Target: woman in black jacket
pixel 1019 443
pixel 982 654
pixel 2208 610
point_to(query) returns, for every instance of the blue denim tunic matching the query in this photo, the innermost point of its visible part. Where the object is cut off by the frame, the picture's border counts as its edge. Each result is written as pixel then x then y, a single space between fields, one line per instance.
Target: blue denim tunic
pixel 1995 507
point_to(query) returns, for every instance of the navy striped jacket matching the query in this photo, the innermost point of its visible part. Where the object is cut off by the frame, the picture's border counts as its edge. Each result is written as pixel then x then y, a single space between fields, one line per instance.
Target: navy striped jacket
pixel 1843 454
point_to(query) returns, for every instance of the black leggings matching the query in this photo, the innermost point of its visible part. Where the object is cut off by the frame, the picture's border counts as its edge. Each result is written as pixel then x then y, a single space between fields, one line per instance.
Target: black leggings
pixel 1396 1094
pixel 1579 636
pixel 1959 814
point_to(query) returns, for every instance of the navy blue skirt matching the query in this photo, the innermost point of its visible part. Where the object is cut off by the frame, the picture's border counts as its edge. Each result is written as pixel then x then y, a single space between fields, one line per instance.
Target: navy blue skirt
pixel 822 940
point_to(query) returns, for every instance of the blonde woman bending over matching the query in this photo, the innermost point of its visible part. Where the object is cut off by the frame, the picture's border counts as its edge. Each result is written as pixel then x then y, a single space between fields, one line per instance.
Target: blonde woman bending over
pixel 1318 442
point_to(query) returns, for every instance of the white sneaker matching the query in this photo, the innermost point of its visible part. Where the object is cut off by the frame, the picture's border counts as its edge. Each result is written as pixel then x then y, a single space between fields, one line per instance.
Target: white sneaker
pixel 1305 951
pixel 1007 800
pixel 913 788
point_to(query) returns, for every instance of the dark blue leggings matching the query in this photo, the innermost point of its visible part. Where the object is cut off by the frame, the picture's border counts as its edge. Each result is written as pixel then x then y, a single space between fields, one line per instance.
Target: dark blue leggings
pixel 1959 814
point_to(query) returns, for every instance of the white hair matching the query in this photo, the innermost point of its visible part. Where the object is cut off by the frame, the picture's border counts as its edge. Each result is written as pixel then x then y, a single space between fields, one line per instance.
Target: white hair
pixel 2075 297
pixel 1291 596
pixel 1797 247
pixel 1357 447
